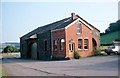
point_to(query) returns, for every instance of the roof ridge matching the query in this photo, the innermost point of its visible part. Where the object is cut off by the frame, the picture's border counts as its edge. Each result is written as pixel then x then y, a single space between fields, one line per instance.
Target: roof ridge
pixel 62 23
pixel 47 26
pixel 55 23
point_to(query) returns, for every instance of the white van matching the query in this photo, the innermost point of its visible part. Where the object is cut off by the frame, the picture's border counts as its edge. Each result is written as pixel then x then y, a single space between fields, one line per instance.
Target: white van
pixel 113 49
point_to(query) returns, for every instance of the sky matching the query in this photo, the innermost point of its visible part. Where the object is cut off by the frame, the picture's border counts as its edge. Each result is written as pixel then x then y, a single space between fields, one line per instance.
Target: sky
pixel 20 17
pixel 119 10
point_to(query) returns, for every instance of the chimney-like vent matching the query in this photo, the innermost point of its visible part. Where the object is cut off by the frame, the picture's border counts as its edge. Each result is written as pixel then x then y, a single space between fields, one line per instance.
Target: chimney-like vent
pixel 73 16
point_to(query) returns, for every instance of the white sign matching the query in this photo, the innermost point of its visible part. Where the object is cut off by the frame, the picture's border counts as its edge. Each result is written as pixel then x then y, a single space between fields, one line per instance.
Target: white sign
pixel 62 40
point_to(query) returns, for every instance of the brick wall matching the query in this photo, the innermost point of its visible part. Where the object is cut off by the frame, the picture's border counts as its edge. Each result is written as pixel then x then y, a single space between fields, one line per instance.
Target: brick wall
pixel 42 53
pixel 86 33
pixel 57 35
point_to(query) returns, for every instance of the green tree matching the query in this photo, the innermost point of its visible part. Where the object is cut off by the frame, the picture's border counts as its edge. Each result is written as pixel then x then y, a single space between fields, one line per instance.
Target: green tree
pixel 10 48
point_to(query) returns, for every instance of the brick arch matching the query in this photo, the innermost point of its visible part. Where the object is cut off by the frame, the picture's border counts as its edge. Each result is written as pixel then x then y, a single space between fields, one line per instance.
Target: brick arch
pixel 94 44
pixel 30 44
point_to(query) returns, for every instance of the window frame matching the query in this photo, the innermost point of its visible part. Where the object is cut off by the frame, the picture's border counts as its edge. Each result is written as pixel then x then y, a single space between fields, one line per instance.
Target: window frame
pixel 62 42
pixel 71 47
pixel 55 45
pixel 45 45
pixel 81 43
pixel 79 28
pixel 87 43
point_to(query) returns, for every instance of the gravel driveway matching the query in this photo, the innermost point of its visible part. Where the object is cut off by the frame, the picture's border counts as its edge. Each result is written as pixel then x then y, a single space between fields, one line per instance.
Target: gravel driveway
pixel 90 66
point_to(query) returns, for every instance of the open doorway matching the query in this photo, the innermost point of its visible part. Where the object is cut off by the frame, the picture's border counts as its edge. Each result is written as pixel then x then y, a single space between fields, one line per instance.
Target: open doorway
pixel 94 44
pixel 34 51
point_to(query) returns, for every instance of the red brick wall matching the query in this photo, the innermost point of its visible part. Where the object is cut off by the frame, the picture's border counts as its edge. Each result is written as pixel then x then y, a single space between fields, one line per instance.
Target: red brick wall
pixel 70 33
pixel 57 35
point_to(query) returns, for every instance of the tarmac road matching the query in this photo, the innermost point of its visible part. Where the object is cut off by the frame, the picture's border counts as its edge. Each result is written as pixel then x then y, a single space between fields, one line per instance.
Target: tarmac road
pixel 91 66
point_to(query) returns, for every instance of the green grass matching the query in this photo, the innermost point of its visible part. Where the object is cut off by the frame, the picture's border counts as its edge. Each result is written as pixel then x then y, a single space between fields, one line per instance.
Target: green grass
pixel 109 38
pixel 2 72
pixel 103 47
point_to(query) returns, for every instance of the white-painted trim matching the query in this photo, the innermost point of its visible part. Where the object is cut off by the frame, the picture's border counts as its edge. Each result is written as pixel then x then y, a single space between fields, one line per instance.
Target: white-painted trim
pixel 81 21
pixel 86 24
pixel 72 24
pixel 78 33
pixel 88 43
pixel 79 49
pixel 82 44
pixel 86 38
pixel 33 36
pixel 80 37
pixel 85 49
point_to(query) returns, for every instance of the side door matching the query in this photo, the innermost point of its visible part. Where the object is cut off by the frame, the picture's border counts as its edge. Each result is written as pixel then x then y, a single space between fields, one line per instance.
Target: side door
pixel 71 50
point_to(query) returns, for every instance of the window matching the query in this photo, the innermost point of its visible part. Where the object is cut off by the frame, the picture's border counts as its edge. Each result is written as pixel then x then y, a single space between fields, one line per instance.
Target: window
pixel 78 31
pixel 78 25
pixel 79 44
pixel 62 44
pixel 45 45
pixel 54 45
pixel 78 28
pixel 85 44
pixel 71 47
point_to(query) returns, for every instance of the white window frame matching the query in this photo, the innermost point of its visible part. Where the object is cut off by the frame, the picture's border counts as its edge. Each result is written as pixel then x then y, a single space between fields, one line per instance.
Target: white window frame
pixel 79 28
pixel 81 44
pixel 87 43
pixel 62 41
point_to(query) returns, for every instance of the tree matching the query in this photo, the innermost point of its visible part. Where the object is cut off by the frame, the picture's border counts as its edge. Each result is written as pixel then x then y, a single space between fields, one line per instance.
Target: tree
pixel 9 48
pixel 113 27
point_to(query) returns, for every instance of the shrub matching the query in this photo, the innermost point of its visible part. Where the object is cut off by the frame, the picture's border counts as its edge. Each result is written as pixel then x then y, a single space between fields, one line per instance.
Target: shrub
pixel 8 49
pixel 76 55
pixel 96 52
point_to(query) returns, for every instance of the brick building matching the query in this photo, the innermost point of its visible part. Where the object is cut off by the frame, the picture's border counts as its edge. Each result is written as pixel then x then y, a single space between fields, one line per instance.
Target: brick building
pixel 61 39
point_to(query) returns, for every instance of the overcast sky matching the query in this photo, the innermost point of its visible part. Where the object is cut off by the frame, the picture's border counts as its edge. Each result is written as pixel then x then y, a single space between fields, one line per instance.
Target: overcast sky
pixel 19 18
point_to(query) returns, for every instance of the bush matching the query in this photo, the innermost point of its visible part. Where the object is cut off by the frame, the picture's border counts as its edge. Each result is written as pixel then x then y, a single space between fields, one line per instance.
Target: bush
pixel 96 52
pixel 8 49
pixel 76 55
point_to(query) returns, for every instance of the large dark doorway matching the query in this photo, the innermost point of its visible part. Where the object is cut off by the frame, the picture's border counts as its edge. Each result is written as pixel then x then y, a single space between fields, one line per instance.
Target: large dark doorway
pixel 32 52
pixel 94 44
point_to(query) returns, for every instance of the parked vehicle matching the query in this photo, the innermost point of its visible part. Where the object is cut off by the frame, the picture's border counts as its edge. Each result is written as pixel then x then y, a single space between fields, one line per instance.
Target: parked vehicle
pixel 113 49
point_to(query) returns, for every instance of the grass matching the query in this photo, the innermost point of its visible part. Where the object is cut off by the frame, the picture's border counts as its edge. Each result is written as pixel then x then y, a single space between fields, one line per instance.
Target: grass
pixel 2 70
pixel 109 38
pixel 103 47
pixel 10 54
